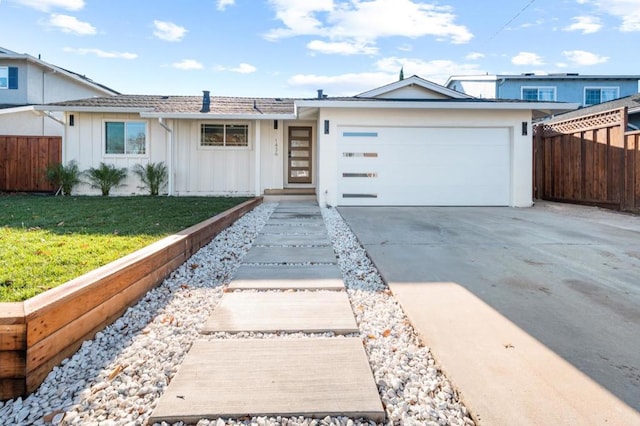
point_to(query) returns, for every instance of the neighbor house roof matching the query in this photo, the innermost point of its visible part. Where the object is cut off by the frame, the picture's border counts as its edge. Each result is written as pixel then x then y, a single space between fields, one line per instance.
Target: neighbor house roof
pixel 8 54
pixel 533 76
pixel 631 102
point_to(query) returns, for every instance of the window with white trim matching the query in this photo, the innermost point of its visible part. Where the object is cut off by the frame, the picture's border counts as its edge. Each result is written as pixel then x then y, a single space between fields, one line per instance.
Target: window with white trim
pixel 543 93
pixel 596 95
pixel 125 137
pixel 224 135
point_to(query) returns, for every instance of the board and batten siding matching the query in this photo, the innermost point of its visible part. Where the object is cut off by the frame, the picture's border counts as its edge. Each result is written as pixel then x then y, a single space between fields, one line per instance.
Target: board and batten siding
pixel 85 144
pixel 272 155
pixel 213 171
pixel 520 145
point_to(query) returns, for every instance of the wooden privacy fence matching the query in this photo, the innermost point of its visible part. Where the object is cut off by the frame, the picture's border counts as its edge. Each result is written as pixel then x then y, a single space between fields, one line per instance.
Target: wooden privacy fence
pixel 24 160
pixel 589 160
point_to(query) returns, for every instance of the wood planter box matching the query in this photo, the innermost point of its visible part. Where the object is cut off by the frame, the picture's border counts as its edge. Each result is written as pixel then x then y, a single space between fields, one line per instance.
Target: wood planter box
pixel 37 334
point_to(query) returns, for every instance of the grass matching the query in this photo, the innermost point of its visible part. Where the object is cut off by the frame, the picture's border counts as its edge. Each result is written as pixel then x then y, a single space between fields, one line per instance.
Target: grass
pixel 46 241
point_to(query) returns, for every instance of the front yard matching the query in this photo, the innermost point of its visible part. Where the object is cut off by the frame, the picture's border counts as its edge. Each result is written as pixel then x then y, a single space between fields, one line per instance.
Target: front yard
pixel 46 241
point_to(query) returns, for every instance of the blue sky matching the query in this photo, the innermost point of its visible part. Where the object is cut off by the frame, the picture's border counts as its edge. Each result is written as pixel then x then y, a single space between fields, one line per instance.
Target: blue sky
pixel 290 48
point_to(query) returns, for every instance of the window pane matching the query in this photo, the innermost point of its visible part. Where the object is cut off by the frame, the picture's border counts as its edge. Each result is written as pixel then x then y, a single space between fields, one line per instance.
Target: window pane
pixel 136 138
pixel 546 94
pixel 530 94
pixel 592 96
pixel 114 137
pixel 237 135
pixel 212 135
pixel 608 94
pixel 4 78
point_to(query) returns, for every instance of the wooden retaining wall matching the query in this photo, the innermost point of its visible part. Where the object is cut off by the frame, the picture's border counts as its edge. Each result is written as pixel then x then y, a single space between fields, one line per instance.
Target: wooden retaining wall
pixel 37 334
pixel 24 161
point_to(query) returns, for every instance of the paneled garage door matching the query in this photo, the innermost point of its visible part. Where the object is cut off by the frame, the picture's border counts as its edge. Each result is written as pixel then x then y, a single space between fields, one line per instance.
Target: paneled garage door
pixel 431 166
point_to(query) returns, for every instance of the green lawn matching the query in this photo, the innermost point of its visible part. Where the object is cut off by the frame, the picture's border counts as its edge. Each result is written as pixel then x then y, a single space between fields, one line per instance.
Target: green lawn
pixel 46 241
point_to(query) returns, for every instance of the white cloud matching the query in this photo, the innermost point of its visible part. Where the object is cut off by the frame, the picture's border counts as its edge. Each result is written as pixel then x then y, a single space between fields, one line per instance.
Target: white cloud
pixel 341 48
pixel 168 31
pixel 47 5
pixel 580 57
pixel 586 24
pixel 385 71
pixel 188 65
pixel 474 56
pixel 69 24
pixel 360 22
pixel 627 10
pixel 527 58
pixel 243 68
pixel 222 4
pixel 101 53
pixel 405 48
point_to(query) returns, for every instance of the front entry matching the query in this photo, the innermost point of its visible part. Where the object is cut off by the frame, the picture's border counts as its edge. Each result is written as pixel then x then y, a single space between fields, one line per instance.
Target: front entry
pixel 300 150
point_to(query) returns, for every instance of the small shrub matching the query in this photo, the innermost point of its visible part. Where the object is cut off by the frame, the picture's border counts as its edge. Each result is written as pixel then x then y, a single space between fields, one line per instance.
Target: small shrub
pixel 105 176
pixel 154 176
pixel 64 178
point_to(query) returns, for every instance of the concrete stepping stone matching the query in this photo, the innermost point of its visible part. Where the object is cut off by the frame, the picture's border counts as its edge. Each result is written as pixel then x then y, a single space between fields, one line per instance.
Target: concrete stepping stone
pixel 296 215
pixel 286 255
pixel 271 312
pixel 292 240
pixel 271 377
pixel 300 229
pixel 287 277
pixel 307 223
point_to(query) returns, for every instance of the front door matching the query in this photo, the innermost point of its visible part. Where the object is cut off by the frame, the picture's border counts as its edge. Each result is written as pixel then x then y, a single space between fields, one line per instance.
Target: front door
pixel 299 155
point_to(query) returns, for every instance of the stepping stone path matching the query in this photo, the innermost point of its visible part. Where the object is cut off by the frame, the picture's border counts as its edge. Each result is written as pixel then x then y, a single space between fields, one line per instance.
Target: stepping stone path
pixel 289 281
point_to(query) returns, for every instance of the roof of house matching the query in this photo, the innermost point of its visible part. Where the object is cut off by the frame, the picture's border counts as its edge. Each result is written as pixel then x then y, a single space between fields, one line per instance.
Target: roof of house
pixel 9 54
pixel 224 105
pixel 533 76
pixel 632 102
pixel 189 107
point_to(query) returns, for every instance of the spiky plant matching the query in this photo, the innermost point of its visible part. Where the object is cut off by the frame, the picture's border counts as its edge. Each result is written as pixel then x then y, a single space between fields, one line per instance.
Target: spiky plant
pixel 105 176
pixel 64 178
pixel 154 176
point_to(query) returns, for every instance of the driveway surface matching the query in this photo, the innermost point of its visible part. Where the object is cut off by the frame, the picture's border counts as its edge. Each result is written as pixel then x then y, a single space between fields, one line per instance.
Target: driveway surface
pixel 569 276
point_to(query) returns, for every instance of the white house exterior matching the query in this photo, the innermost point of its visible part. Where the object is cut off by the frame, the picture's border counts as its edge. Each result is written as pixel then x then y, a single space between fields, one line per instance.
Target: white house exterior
pixel 26 81
pixel 408 143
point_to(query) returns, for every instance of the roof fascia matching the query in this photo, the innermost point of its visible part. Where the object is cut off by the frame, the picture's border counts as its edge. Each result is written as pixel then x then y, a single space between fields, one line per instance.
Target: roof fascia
pixel 14 110
pixel 210 116
pixel 543 106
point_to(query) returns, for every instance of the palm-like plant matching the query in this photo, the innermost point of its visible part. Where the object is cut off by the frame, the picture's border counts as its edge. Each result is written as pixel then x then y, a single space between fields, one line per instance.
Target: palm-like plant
pixel 105 177
pixel 153 176
pixel 64 178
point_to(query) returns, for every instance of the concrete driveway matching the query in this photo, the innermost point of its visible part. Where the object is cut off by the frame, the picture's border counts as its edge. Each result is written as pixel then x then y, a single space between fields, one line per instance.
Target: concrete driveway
pixel 568 276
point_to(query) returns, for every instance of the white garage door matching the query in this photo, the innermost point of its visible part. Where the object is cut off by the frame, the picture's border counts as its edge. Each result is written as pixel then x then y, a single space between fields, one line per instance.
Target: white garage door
pixel 431 166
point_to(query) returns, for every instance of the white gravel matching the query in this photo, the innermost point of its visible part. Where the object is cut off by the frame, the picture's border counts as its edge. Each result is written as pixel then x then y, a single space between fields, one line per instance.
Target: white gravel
pixel 117 377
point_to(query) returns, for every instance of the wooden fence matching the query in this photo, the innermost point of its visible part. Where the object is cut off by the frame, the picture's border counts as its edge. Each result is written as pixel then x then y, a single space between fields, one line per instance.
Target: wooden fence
pixel 24 159
pixel 589 160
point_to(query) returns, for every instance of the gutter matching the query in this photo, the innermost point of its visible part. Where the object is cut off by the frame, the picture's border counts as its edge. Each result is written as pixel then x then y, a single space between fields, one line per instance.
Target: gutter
pixel 206 116
pixel 170 155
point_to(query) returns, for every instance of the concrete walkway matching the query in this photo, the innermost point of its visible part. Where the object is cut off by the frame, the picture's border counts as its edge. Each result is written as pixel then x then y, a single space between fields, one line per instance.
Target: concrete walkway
pixel 312 377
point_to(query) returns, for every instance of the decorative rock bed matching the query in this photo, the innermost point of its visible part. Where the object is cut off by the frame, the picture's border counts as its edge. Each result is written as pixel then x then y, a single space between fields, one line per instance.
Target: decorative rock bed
pixel 117 377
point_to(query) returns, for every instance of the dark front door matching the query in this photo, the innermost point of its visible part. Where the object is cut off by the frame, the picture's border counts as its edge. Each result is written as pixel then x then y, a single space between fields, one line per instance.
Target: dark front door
pixel 299 155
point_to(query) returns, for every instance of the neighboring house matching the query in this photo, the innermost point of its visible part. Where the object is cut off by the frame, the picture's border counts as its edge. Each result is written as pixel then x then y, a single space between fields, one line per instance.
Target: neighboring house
pixel 632 103
pixel 411 142
pixel 581 89
pixel 26 81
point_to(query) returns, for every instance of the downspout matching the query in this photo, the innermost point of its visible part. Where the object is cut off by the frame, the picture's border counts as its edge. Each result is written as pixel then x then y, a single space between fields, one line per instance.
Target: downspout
pixel 170 155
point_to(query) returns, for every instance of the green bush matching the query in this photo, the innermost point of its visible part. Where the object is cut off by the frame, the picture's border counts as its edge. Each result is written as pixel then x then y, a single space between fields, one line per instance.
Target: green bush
pixel 154 176
pixel 64 178
pixel 105 176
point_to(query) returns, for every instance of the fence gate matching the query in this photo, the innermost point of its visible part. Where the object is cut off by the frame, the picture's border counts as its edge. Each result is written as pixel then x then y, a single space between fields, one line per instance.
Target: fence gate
pixel 24 160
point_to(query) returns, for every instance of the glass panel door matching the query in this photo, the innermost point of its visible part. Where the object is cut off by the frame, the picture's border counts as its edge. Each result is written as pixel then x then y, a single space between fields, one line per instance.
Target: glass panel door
pixel 299 155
